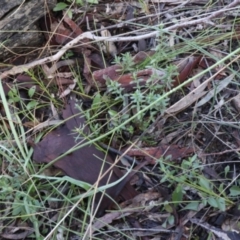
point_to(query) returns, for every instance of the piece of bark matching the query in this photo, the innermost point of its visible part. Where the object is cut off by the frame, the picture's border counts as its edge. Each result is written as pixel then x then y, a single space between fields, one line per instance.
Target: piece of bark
pixel 84 164
pixel 7 5
pixel 18 30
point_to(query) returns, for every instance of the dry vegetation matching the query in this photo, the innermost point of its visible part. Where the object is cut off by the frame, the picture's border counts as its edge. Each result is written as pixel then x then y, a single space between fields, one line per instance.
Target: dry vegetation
pixel 123 123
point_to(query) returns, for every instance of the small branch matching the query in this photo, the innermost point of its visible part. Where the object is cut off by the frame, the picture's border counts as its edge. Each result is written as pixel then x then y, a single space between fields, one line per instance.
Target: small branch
pixel 90 35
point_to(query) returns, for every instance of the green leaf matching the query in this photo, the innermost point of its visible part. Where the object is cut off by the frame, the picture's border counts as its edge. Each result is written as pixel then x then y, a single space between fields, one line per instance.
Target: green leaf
pixel 12 93
pixel 32 104
pixel 185 164
pixel 171 219
pixel 164 179
pixel 13 96
pixel 17 209
pixel 80 2
pixel 97 101
pixel 204 183
pixel 221 204
pixel 60 6
pixel 212 202
pixel 217 203
pixel 204 201
pixel 69 13
pixel 192 206
pixel 14 100
pixel 177 195
pixel 226 170
pixel 182 179
pixel 234 191
pixel 31 91
pixel 93 1
pixel 168 207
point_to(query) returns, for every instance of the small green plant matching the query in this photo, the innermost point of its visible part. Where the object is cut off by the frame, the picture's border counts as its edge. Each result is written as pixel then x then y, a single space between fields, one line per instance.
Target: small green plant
pixel 125 61
pixel 189 178
pixel 142 95
pixel 68 55
pixel 119 105
pixel 14 97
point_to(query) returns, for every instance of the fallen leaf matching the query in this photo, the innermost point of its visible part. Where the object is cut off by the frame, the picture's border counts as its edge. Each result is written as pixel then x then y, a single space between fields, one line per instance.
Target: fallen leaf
pixel 236 102
pixel 68 89
pixel 83 164
pixel 126 209
pixel 153 153
pixel 61 33
pixel 223 84
pixel 185 68
pixel 109 47
pixel 114 73
pixel 189 99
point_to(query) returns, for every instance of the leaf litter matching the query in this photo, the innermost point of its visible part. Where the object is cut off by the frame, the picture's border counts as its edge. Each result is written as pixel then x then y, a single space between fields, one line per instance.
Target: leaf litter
pixel 190 148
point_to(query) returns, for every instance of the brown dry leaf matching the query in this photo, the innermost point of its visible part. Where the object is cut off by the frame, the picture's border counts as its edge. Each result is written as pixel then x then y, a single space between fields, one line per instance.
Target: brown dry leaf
pixel 61 33
pixel 236 102
pixel 16 230
pixel 169 137
pixel 114 73
pixel 60 81
pixel 76 31
pixel 153 153
pixel 228 235
pixel 74 27
pixel 142 56
pixel 84 164
pixel 20 235
pixel 189 99
pixel 231 224
pixel 108 47
pixel 185 68
pixel 218 55
pixel 87 67
pixel 127 208
pixel 197 81
pixel 69 89
pixel 97 61
pixel 212 93
pixel 126 79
